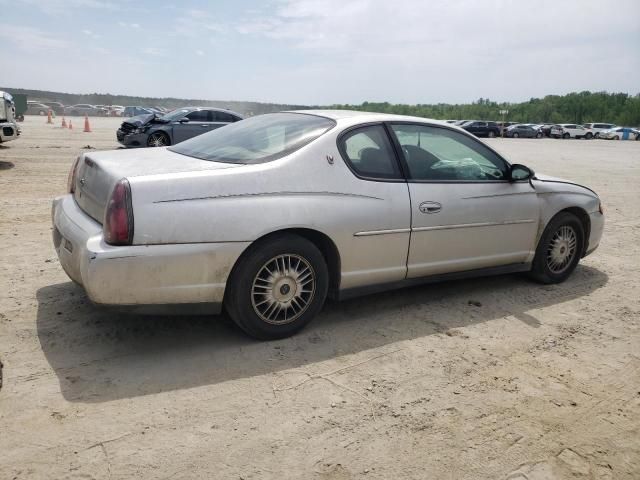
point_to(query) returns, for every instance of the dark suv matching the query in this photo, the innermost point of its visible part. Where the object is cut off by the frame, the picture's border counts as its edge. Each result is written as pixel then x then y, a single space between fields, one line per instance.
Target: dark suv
pixel 482 129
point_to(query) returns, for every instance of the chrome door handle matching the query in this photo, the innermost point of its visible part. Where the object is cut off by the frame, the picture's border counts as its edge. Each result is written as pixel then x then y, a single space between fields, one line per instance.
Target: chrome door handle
pixel 430 207
pixel 204 126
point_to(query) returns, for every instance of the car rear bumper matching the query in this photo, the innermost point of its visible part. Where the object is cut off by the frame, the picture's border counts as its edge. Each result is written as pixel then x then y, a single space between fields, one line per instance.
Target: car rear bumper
pixel 139 275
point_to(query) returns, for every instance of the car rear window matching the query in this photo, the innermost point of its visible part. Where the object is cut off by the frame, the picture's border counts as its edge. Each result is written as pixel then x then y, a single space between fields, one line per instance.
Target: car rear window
pixel 256 140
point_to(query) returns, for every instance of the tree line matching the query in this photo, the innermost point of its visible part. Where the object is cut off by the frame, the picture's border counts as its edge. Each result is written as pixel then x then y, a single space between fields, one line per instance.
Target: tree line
pixel 582 107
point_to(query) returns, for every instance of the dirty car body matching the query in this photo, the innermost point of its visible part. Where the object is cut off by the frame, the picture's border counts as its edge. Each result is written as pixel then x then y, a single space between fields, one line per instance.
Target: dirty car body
pixel 271 215
pixel 153 130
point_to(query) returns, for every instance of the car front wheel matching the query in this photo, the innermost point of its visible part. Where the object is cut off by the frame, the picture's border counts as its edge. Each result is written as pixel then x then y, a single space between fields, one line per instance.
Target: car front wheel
pixel 158 139
pixel 559 249
pixel 565 136
pixel 277 287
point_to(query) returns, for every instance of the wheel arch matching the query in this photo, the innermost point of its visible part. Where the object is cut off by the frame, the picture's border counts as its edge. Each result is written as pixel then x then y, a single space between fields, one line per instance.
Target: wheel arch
pixel 321 240
pixel 584 219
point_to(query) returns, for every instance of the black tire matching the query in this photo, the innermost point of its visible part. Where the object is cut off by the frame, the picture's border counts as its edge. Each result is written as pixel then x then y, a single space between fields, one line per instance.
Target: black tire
pixel 566 135
pixel 491 134
pixel 539 135
pixel 158 139
pixel 542 268
pixel 242 301
pixel 589 136
pixel 616 137
pixel 516 135
pixel 597 135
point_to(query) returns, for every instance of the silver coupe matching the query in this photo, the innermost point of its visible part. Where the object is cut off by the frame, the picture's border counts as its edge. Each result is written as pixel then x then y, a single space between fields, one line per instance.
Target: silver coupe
pixel 270 216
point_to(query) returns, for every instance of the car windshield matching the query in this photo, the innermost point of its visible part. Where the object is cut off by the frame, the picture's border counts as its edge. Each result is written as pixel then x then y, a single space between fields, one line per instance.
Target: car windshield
pixel 256 140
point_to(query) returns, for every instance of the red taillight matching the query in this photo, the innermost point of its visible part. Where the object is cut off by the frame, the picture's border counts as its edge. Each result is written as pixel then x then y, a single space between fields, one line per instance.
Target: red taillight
pixel 118 218
pixel 71 179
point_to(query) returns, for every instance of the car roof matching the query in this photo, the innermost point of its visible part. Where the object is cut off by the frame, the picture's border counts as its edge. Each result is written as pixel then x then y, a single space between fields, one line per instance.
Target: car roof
pixel 355 116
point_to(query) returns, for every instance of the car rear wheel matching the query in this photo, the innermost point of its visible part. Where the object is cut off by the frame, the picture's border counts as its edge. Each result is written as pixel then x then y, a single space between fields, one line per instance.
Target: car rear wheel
pixel 616 137
pixel 589 136
pixel 158 139
pixel 559 249
pixel 277 287
pixel 566 135
pixel 491 134
pixel 539 135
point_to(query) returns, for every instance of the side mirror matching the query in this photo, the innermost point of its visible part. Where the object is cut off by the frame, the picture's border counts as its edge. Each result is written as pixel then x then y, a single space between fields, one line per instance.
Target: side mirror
pixel 520 172
pixel 183 120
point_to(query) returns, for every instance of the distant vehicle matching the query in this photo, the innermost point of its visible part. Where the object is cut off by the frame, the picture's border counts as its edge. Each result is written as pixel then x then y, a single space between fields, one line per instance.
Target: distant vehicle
pixel 85 109
pixel 36 108
pixel 56 107
pixel 524 131
pixel 482 128
pixel 545 128
pixel 459 123
pixel 621 133
pixel 595 129
pixel 132 111
pixel 153 130
pixel 569 130
pixel 452 121
pixel 9 129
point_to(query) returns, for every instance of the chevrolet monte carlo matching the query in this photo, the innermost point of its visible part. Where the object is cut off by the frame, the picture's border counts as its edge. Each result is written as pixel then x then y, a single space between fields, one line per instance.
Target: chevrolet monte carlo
pixel 268 217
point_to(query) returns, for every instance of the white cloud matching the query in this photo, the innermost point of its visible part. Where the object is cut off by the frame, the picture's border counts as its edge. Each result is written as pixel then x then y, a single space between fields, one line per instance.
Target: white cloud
pixel 31 39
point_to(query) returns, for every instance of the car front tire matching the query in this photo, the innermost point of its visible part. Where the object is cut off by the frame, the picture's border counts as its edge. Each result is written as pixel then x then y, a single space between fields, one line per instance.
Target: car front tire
pixel 158 139
pixel 559 249
pixel 277 287
pixel 566 135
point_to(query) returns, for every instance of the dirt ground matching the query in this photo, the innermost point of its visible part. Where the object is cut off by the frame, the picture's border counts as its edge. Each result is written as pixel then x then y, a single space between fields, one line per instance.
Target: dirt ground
pixel 497 378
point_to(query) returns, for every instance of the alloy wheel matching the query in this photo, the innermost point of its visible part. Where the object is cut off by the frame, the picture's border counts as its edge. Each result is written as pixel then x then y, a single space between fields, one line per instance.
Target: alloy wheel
pixel 562 249
pixel 283 289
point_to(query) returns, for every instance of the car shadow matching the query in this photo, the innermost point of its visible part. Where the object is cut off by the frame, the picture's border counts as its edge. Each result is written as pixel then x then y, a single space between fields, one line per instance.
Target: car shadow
pixel 5 165
pixel 99 355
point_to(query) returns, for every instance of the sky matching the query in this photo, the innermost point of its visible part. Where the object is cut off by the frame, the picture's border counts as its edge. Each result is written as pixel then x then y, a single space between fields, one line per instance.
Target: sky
pixel 322 52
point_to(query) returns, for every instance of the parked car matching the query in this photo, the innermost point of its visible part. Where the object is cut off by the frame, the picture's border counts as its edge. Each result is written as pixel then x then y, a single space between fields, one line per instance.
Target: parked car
pixel 269 216
pixel 136 111
pixel 568 130
pixel 621 133
pixel 545 128
pixel 522 130
pixel 85 109
pixel 595 129
pixel 36 108
pixel 153 130
pixel 56 107
pixel 482 128
pixel 459 123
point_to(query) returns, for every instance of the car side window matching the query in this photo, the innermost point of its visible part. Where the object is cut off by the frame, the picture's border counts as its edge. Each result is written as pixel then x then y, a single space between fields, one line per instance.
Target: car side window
pixel 198 116
pixel 222 117
pixel 369 153
pixel 440 154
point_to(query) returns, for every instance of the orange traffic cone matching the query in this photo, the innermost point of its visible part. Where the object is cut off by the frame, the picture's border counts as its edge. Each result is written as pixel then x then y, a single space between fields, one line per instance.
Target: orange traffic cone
pixel 87 127
pixel 64 123
pixel 49 117
pixel 70 125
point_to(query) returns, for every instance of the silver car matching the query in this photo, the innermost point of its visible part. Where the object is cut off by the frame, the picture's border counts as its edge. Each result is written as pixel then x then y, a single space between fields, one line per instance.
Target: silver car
pixel 270 216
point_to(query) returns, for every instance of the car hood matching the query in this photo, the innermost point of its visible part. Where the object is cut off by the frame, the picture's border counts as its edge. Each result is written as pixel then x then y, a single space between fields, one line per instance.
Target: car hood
pixel 548 182
pixel 146 119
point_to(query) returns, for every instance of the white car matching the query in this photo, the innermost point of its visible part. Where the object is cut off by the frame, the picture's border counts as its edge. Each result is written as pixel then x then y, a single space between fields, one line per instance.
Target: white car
pixel 595 129
pixel 569 130
pixel 271 215
pixel 621 133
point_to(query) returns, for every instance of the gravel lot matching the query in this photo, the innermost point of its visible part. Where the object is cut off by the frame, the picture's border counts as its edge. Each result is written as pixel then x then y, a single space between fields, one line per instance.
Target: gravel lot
pixel 496 378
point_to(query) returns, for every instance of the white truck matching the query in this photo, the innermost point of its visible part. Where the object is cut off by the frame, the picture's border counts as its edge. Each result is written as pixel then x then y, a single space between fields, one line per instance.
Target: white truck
pixel 9 129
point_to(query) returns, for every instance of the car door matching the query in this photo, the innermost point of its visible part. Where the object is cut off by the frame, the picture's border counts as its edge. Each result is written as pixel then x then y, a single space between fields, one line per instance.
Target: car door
pixel 465 213
pixel 375 238
pixel 198 123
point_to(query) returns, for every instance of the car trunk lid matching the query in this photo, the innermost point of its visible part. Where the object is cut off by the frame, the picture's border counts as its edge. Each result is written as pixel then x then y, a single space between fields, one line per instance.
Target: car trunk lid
pixel 98 172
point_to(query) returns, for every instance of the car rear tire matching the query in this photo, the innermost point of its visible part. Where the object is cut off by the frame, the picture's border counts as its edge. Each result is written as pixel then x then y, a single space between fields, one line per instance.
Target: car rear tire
pixel 158 139
pixel 491 134
pixel 616 137
pixel 516 135
pixel 559 249
pixel 277 287
pixel 539 135
pixel 566 135
pixel 589 136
